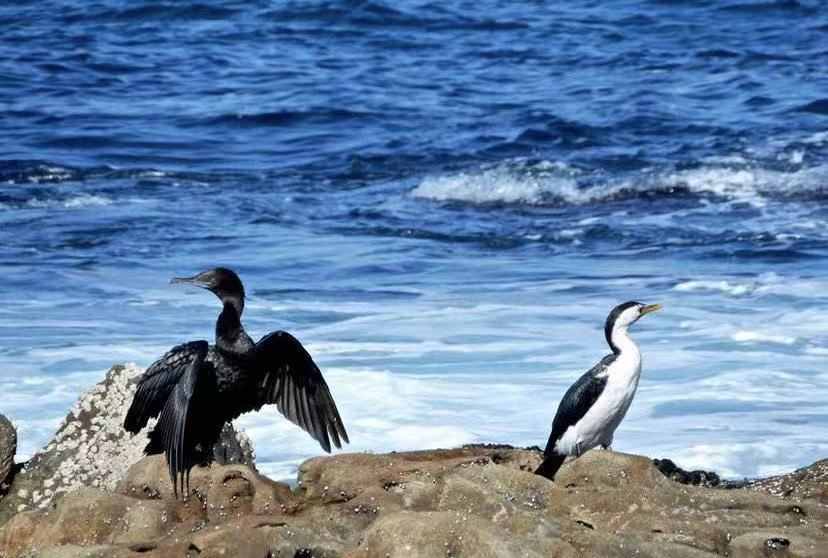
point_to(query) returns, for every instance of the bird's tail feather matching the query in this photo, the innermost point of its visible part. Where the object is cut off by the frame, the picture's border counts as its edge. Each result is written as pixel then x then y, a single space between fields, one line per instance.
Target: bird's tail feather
pixel 550 466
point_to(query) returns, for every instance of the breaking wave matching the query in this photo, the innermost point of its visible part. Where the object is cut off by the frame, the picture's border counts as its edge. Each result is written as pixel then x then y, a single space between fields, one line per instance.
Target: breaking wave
pixel 555 183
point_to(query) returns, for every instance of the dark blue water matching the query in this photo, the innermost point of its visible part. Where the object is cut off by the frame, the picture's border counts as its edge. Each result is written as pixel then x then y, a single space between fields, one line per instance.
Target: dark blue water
pixel 442 199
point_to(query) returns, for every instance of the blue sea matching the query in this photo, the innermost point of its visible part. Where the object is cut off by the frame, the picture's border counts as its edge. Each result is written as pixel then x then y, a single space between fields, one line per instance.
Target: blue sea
pixel 442 200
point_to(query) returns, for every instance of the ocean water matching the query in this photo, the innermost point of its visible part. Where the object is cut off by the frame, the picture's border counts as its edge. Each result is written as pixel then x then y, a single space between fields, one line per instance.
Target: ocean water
pixel 442 200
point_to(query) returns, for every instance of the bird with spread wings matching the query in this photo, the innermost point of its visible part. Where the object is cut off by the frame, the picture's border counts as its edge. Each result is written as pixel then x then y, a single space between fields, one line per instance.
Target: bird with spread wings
pixel 196 388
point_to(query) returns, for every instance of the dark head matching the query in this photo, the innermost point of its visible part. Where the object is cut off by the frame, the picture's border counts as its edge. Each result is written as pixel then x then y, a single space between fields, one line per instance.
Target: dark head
pixel 623 316
pixel 222 282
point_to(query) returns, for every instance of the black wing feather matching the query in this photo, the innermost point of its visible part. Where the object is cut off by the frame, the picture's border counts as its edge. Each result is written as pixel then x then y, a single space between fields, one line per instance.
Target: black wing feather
pixel 577 401
pixel 176 426
pixel 292 381
pixel 165 391
pixel 157 383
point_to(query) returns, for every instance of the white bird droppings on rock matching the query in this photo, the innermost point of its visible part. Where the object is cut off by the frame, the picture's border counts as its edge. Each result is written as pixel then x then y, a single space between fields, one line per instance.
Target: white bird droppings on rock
pixel 82 455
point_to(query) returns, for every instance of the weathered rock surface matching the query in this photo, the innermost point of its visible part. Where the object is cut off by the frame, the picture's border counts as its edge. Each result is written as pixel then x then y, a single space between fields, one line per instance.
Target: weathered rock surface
pixel 468 502
pixel 91 448
pixel 8 447
pixel 806 483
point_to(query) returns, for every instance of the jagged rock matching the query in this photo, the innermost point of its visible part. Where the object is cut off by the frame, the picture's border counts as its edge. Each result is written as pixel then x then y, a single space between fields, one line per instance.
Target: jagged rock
pixel 212 522
pixel 220 492
pixel 92 449
pixel 473 502
pixel 807 483
pixel 696 478
pixel 8 447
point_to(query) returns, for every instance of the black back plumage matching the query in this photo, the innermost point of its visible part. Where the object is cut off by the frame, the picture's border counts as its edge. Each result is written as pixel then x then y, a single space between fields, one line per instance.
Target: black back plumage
pixel 575 403
pixel 195 389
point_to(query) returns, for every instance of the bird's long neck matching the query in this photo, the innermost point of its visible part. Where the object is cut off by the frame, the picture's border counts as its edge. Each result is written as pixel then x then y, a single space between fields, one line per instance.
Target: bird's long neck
pixel 230 334
pixel 627 369
pixel 620 341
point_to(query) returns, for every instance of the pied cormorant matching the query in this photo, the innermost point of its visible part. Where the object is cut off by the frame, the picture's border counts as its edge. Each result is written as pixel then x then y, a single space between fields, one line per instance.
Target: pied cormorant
pixel 196 388
pixel 594 406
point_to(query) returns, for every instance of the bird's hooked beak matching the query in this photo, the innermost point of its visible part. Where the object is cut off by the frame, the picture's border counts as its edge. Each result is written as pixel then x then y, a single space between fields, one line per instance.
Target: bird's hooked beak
pixel 649 308
pixel 196 280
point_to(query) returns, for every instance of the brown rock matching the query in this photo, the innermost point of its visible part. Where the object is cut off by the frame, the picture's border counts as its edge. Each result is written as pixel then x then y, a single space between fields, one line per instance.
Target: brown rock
pixel 319 534
pixel 8 447
pixel 777 544
pixel 605 503
pixel 469 502
pixel 75 551
pixel 223 492
pixel 433 534
pixel 17 534
pixel 91 448
pixel 88 517
pixel 808 483
pixel 231 541
pixel 516 501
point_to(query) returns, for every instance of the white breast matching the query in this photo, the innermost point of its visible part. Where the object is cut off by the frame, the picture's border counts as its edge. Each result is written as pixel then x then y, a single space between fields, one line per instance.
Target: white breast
pixel 598 425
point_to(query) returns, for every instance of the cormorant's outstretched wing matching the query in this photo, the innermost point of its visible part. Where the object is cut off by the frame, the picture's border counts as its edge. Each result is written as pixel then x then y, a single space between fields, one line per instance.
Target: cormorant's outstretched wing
pixel 165 390
pixel 157 383
pixel 176 428
pixel 292 381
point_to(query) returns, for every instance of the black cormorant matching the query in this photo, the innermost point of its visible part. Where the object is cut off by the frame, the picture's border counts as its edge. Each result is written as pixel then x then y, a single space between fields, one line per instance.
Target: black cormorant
pixel 196 388
pixel 594 406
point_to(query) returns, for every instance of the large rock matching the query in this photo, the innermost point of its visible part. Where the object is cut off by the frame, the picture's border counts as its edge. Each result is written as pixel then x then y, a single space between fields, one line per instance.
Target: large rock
pixel 431 534
pixel 603 504
pixel 8 447
pixel 91 448
pixel 470 502
pixel 220 492
pixel 807 483
pixel 224 516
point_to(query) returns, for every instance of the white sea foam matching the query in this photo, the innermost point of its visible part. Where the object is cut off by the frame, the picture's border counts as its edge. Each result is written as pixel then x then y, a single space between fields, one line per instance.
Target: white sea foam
pixel 726 287
pixel 75 202
pixel 49 174
pixel 730 460
pixel 381 410
pixel 518 182
pixel 500 184
pixel 764 284
pixel 817 138
pixel 760 337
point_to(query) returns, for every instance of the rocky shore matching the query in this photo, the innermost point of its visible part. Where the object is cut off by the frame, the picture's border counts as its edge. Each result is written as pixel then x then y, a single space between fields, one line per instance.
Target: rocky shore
pixel 476 501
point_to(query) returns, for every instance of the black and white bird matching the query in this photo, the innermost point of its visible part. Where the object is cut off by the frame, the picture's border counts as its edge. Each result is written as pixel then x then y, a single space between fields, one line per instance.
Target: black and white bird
pixel 196 388
pixel 595 405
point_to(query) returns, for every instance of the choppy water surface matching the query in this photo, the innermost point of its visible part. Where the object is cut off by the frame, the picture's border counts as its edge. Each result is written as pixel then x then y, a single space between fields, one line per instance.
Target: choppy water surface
pixel 442 200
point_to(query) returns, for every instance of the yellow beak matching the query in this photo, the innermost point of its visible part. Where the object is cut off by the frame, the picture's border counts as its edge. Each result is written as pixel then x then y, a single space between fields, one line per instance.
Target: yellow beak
pixel 650 308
